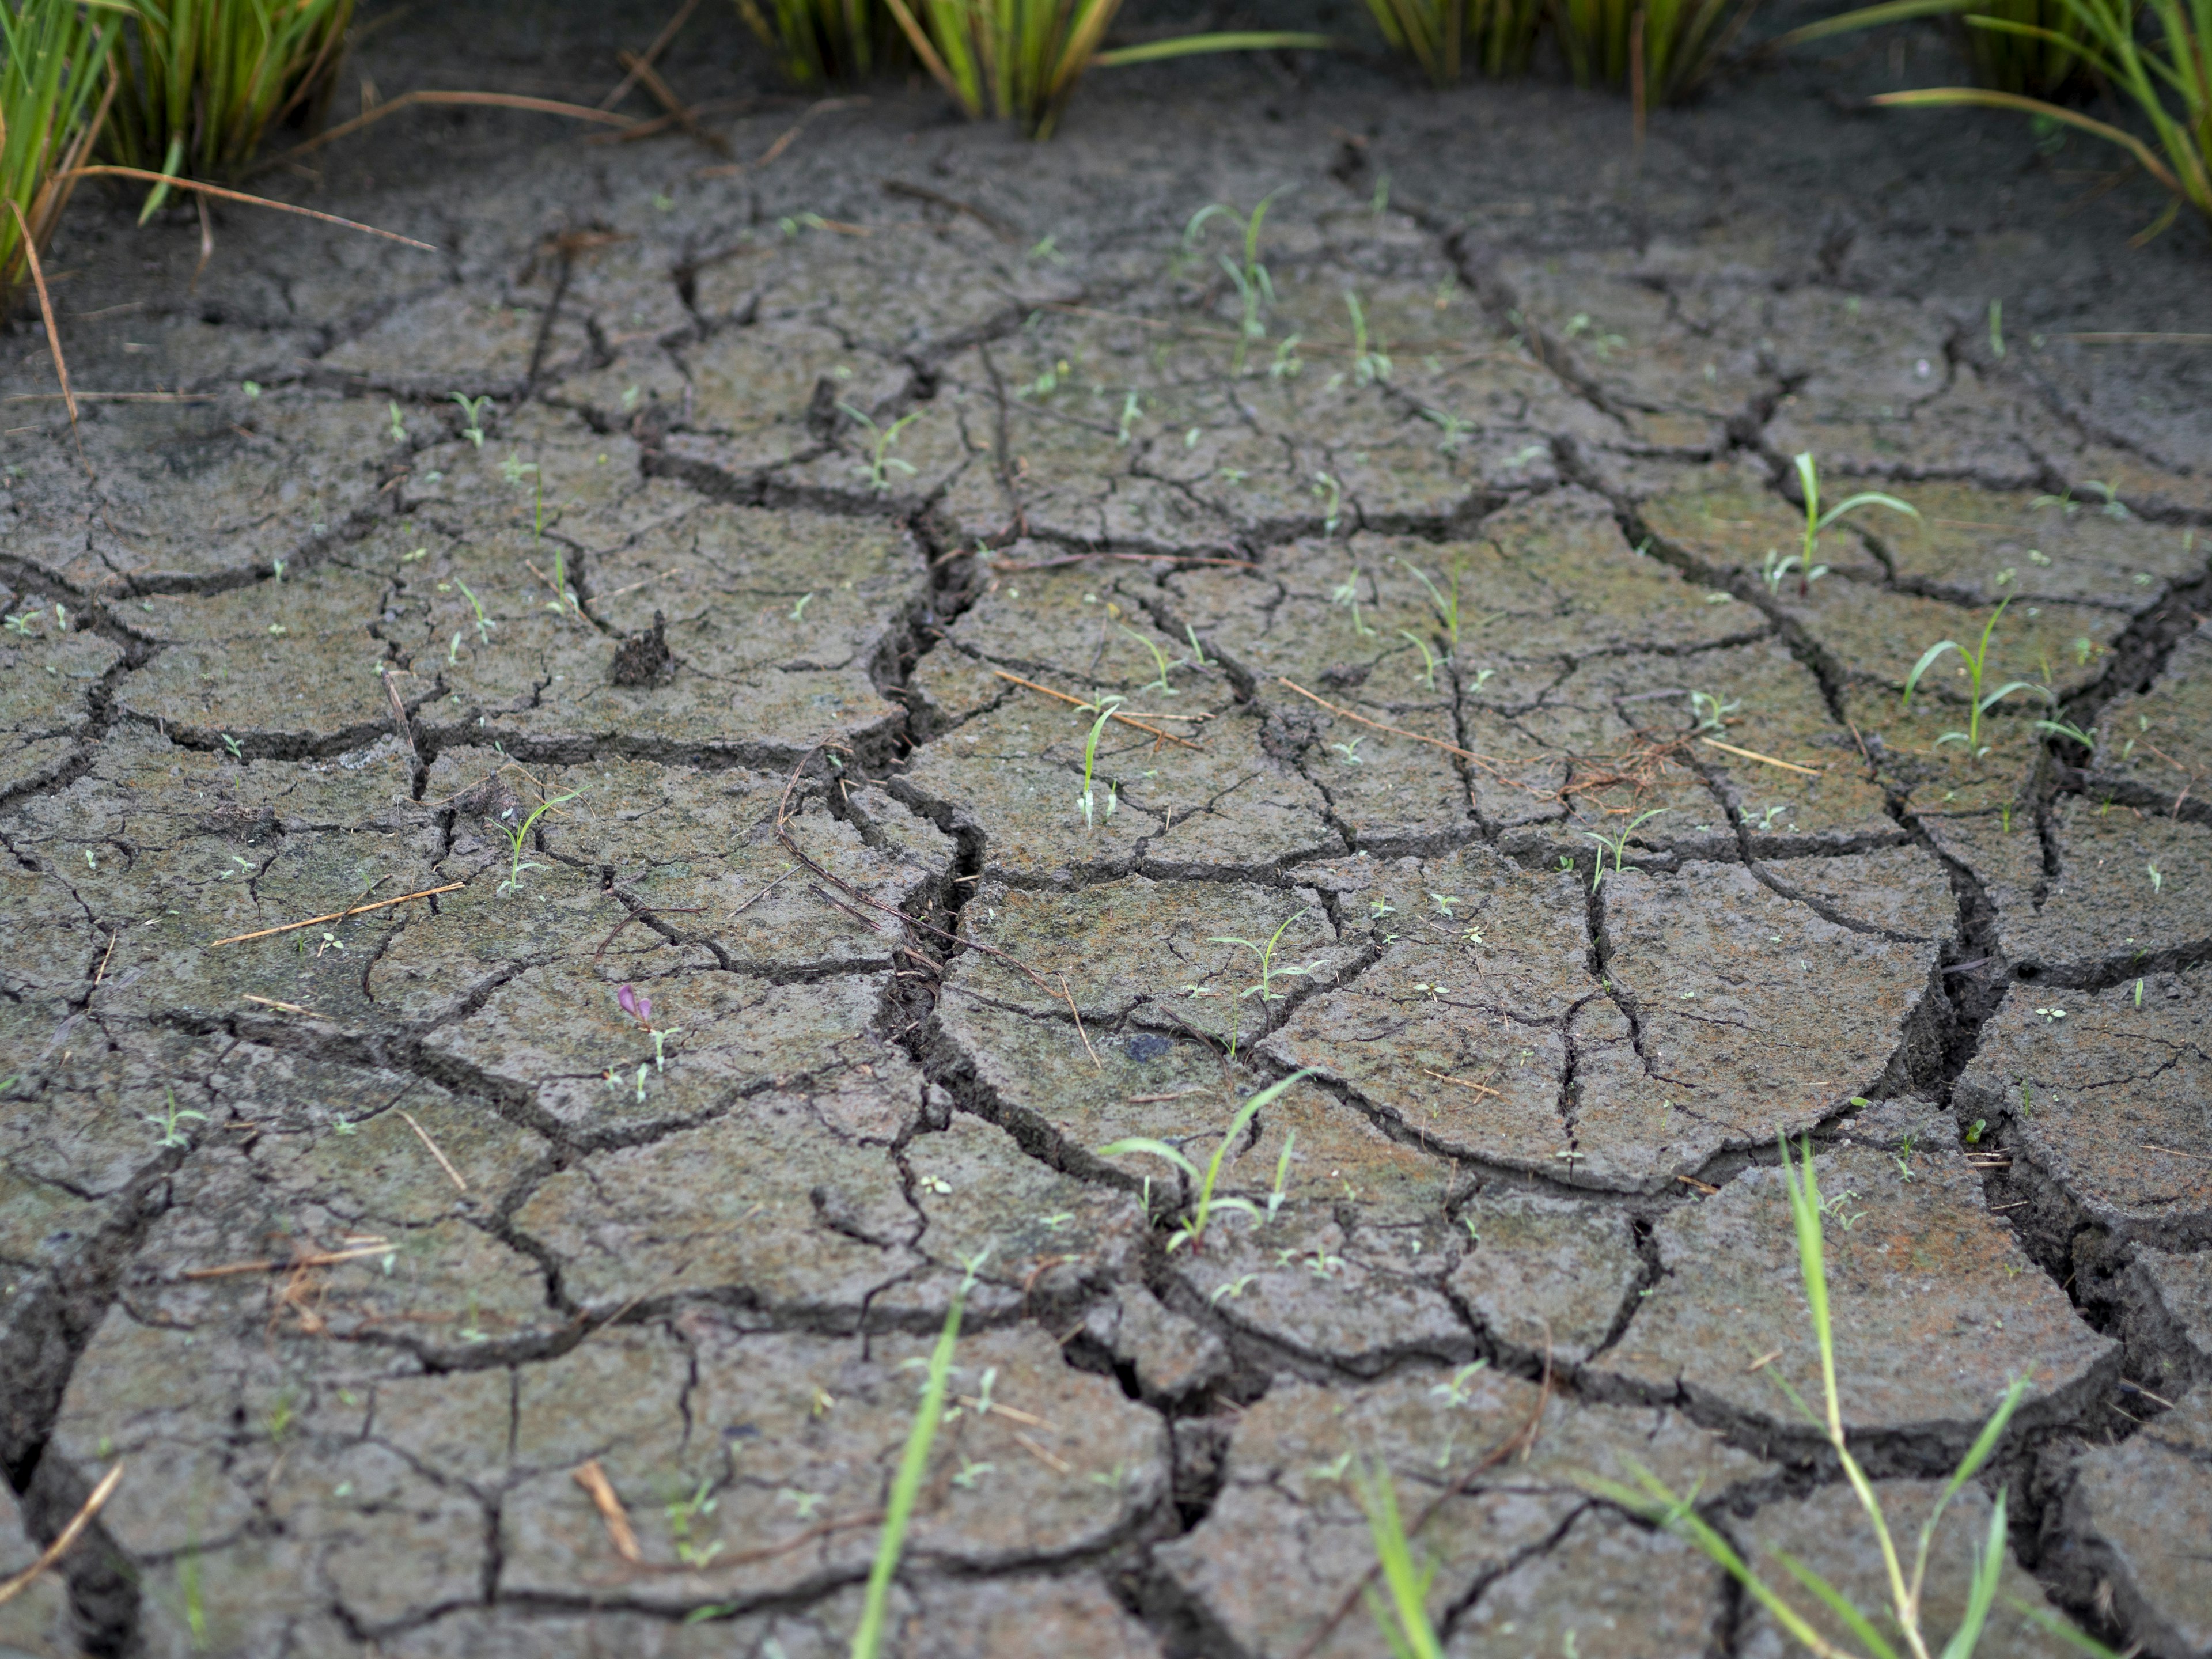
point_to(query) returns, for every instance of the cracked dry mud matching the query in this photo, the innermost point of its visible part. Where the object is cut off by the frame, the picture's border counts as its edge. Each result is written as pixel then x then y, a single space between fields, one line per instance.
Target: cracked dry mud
pixel 354 1242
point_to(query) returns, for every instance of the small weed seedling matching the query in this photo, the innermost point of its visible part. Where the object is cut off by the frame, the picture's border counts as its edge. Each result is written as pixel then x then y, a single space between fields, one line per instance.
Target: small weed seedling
pixel 1447 609
pixel 167 1122
pixel 914 1464
pixel 1428 657
pixel 516 834
pixel 1619 844
pixel 1088 800
pixel 1279 1191
pixel 1977 663
pixel 1256 289
pixel 1330 494
pixel 399 425
pixel 1367 366
pixel 472 411
pixel 1159 684
pixel 683 1513
pixel 1652 1498
pixel 1264 986
pixel 1809 478
pixel 881 463
pixel 1710 713
pixel 485 624
pixel 1193 1226
pixel 1198 657
pixel 1399 1609
pixel 641 1010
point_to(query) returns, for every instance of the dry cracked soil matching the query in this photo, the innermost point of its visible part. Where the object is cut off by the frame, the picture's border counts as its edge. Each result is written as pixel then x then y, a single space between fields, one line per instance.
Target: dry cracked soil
pixel 708 576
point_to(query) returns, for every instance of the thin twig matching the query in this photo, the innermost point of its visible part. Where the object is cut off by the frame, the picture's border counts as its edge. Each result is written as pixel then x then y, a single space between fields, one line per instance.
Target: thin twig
pixel 1482 760
pixel 651 55
pixel 593 1479
pixel 340 915
pixel 1133 558
pixel 444 1163
pixel 676 109
pixel 1464 1083
pixel 1753 754
pixel 292 1264
pixel 399 714
pixel 78 1522
pixel 251 201
pixel 489 100
pixel 283 1007
pixel 1072 1009
pixel 1125 720
pixel 53 332
pixel 1058 1466
pixel 789 137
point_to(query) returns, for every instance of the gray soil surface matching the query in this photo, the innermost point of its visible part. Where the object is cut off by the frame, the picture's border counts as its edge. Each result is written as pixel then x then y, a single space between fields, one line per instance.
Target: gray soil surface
pixel 770 514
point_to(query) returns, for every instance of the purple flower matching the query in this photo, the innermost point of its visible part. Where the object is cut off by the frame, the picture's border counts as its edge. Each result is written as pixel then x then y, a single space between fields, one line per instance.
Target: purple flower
pixel 637 1007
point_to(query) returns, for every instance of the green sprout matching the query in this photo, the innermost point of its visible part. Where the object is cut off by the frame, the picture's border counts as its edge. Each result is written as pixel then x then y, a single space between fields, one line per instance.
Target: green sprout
pixel 1193 1226
pixel 1447 609
pixel 1815 521
pixel 1330 494
pixel 516 835
pixel 914 1464
pixel 1456 427
pixel 1256 289
pixel 1428 657
pixel 1977 662
pixel 399 425
pixel 1279 1191
pixel 881 463
pixel 472 411
pixel 485 624
pixel 1087 800
pixel 1367 367
pixel 1159 662
pixel 167 1122
pixel 1264 985
pixel 1651 1499
pixel 1403 1614
pixel 1709 712
pixel 1619 844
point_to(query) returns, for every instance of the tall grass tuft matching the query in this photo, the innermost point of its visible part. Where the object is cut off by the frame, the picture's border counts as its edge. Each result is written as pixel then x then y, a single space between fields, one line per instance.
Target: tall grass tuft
pixel 1652 1498
pixel 1446 37
pixel 198 82
pixel 2040 65
pixel 826 42
pixel 1022 59
pixel 1662 51
pixel 51 53
pixel 2162 63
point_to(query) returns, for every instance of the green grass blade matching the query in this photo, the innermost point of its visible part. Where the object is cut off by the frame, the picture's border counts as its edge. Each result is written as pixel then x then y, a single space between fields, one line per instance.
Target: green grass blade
pixel 1870 17
pixel 1834 1600
pixel 906 1485
pixel 1927 661
pixel 1185 45
pixel 2011 686
pixel 1985 98
pixel 1868 498
pixel 1968 1636
pixel 2051 1624
pixel 1157 1148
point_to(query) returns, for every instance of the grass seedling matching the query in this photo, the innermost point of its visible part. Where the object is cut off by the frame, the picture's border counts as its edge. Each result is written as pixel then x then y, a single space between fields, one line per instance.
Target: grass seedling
pixel 485 624
pixel 1367 367
pixel 1977 704
pixel 472 411
pixel 1441 35
pixel 1159 661
pixel 1428 657
pixel 1022 58
pixel 1193 1226
pixel 1330 494
pixel 516 835
pixel 914 1464
pixel 1808 478
pixel 818 42
pixel 1447 609
pixel 1264 986
pixel 1617 844
pixel 1710 713
pixel 1087 799
pixel 1198 658
pixel 1280 1192
pixel 1651 1498
pixel 167 1122
pixel 49 58
pixel 1399 1609
pixel 2159 55
pixel 199 82
pixel 881 463
pixel 1256 289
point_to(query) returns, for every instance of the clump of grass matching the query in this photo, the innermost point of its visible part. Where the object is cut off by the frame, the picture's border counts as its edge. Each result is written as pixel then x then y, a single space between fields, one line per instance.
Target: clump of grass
pixel 1977 703
pixel 2042 64
pixel 1445 36
pixel 1194 1225
pixel 2162 63
pixel 1256 289
pixel 1652 1498
pixel 1662 51
pixel 821 42
pixel 51 51
pixel 1022 59
pixel 199 82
